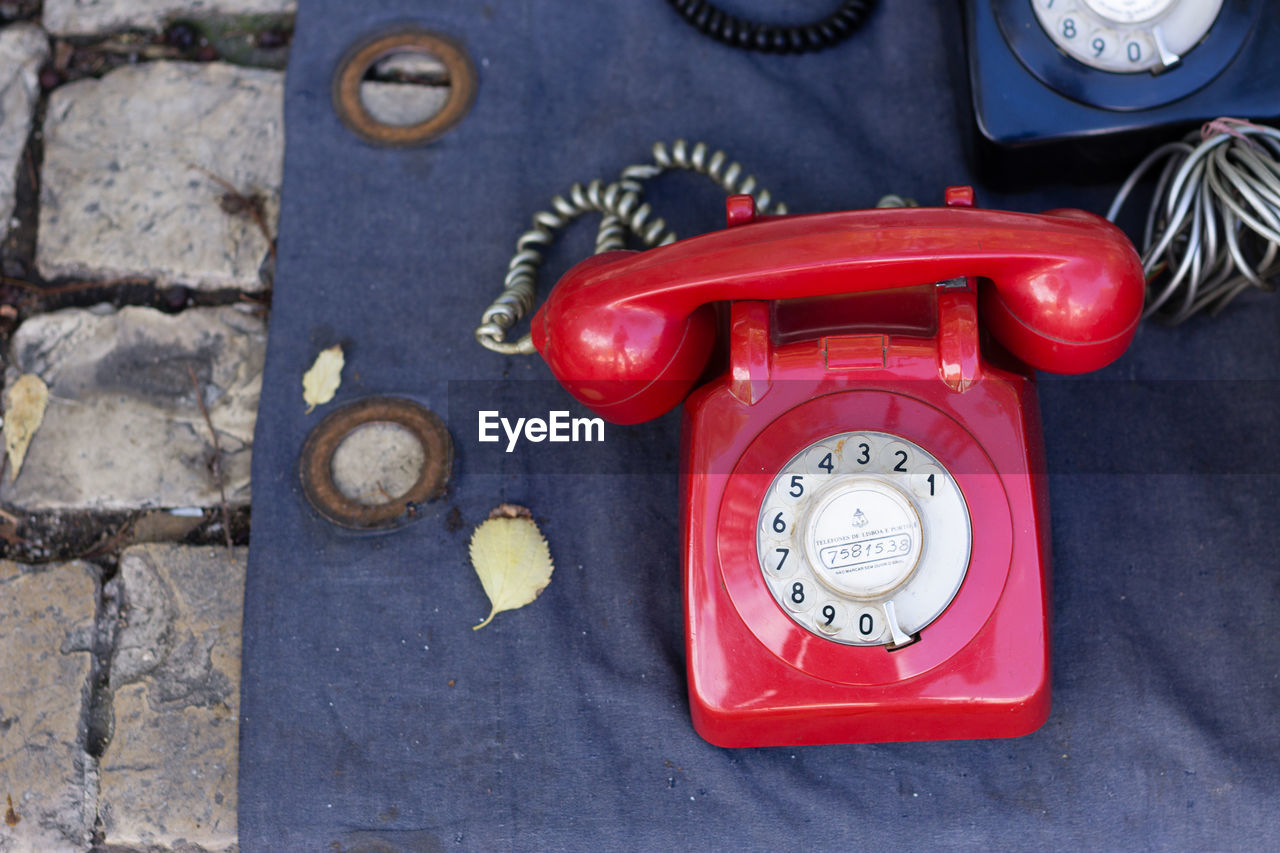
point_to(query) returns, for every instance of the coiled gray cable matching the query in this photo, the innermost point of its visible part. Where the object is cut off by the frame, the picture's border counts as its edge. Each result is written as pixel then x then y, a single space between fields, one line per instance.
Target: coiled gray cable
pixel 1213 228
pixel 624 211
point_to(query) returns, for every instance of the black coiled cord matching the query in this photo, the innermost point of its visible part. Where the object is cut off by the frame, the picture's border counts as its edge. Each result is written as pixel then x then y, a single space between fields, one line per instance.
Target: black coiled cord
pixel 767 38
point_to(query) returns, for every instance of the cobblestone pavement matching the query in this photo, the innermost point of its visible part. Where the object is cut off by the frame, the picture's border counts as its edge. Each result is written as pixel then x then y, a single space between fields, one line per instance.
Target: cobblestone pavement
pixel 140 165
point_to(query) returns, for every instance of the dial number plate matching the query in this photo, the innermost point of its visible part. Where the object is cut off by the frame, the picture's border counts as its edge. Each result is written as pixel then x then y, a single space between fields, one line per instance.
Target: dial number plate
pixel 863 538
pixel 1127 36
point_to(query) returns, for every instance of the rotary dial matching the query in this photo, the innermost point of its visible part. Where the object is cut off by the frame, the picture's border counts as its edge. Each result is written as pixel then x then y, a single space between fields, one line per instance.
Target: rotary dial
pixel 864 538
pixel 1127 36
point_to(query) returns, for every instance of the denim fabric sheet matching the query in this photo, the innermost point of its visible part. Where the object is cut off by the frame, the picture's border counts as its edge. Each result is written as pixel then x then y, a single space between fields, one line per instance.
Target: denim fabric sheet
pixel 375 718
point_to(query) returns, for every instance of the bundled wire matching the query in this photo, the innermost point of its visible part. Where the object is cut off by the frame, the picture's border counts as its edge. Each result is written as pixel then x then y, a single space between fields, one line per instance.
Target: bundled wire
pixel 1213 228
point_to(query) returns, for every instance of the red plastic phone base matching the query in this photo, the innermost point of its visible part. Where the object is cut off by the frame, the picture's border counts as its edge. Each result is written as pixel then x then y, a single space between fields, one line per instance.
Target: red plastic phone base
pixel 980 670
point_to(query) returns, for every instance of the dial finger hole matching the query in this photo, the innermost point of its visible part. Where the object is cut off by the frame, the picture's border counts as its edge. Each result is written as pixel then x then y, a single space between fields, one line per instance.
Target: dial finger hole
pixel 829 617
pixel 857 452
pixel 897 458
pixel 927 481
pixel 781 561
pixel 799 595
pixel 868 624
pixel 1138 51
pixel 821 459
pixel 777 522
pixel 794 488
pixel 1104 45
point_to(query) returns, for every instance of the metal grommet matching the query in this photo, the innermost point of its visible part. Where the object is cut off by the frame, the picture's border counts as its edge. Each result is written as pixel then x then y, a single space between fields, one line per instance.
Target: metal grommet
pixel 365 54
pixel 321 489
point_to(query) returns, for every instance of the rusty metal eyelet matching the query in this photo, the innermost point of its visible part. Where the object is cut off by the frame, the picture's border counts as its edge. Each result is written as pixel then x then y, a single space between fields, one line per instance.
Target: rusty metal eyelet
pixel 365 54
pixel 316 463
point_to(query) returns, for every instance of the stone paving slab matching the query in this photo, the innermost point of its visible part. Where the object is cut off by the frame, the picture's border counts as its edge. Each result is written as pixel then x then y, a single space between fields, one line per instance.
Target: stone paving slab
pixel 90 17
pixel 168 776
pixel 123 428
pixel 130 184
pixel 23 49
pixel 46 631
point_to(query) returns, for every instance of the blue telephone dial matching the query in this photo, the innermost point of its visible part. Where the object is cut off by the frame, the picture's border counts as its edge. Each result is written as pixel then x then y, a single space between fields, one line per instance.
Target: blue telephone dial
pixel 1052 70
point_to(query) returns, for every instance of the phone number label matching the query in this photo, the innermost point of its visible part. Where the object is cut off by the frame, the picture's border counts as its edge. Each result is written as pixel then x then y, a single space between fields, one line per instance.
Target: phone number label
pixel 863 553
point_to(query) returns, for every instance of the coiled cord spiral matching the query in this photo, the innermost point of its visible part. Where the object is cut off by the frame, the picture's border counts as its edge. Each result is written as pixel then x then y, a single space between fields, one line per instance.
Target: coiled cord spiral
pixel 1213 228
pixel 749 35
pixel 624 211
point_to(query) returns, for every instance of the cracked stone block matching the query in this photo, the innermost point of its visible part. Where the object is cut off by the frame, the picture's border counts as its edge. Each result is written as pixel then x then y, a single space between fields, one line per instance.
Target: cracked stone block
pixel 88 17
pixel 165 171
pixel 23 49
pixel 46 633
pixel 123 428
pixel 168 776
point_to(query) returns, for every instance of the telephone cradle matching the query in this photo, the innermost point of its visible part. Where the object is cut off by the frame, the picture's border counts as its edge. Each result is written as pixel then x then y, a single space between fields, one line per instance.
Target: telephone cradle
pixel 864 507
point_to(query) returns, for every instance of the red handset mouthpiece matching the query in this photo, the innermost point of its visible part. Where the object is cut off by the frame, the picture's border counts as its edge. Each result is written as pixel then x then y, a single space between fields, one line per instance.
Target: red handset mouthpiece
pixel 627 361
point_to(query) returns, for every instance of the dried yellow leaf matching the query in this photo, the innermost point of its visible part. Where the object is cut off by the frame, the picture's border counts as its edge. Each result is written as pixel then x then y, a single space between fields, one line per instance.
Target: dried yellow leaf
pixel 512 559
pixel 321 382
pixel 24 404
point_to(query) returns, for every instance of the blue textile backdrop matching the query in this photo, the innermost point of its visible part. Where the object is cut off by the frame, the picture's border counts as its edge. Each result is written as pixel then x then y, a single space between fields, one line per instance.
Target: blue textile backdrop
pixel 374 718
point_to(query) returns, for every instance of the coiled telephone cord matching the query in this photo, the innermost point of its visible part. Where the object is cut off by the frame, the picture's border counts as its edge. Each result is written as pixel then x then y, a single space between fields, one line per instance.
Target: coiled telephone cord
pixel 713 21
pixel 624 211
pixel 1213 228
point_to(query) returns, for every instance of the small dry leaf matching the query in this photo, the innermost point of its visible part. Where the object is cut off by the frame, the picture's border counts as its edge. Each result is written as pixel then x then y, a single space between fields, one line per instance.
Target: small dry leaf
pixel 321 382
pixel 24 405
pixel 511 558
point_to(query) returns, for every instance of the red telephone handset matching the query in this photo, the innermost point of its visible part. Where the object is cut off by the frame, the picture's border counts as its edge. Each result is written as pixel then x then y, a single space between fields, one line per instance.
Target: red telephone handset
pixel 865 522
pixel 1061 294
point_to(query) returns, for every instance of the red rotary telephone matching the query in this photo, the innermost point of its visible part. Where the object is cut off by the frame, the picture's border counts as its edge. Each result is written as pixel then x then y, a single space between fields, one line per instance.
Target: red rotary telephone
pixel 864 509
